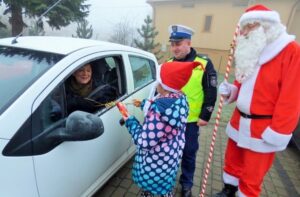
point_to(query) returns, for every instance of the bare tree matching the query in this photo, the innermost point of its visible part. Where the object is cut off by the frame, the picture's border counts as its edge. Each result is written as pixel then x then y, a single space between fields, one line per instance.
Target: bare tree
pixel 123 33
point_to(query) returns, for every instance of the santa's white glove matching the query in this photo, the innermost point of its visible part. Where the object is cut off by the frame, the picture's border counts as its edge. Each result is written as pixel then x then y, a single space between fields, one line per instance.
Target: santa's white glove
pixel 224 89
pixel 228 91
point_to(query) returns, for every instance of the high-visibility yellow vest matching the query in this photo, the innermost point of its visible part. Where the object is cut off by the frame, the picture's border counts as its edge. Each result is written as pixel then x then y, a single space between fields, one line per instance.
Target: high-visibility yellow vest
pixel 194 90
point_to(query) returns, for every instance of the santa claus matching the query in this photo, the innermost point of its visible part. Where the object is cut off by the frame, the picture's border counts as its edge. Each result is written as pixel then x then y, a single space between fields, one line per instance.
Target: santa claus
pixel 267 95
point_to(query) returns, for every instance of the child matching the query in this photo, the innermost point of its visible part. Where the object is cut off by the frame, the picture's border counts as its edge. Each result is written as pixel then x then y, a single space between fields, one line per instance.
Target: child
pixel 160 140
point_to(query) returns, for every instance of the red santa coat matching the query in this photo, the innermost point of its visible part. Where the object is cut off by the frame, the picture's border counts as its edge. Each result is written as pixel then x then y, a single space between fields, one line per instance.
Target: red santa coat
pixel 274 89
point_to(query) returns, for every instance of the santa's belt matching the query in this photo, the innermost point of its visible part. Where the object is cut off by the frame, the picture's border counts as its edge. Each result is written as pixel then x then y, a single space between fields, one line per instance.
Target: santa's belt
pixel 255 116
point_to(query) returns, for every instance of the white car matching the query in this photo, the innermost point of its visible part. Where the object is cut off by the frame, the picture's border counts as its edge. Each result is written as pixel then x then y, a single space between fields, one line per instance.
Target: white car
pixel 42 153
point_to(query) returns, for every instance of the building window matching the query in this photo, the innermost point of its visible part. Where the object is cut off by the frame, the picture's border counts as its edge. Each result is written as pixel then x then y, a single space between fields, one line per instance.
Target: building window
pixel 207 23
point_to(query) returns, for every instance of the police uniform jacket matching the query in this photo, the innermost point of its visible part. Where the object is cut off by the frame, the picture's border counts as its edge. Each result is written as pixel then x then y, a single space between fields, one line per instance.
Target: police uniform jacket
pixel 209 84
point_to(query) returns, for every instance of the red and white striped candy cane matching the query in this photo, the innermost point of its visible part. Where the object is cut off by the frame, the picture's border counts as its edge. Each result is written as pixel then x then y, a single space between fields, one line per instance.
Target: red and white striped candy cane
pixel 212 144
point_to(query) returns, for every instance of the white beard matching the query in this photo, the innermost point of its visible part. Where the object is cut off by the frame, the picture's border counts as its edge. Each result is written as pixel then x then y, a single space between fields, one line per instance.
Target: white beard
pixel 247 53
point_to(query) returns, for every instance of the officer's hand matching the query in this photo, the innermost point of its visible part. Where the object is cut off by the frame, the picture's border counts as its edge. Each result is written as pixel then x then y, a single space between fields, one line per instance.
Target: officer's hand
pixel 224 89
pixel 202 123
pixel 137 102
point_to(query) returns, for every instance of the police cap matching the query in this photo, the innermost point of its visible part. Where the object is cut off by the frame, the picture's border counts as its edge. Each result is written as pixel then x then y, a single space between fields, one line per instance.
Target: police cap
pixel 180 32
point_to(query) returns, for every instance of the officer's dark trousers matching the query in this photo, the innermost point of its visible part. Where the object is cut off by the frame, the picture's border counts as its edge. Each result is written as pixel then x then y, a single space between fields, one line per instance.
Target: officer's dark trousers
pixel 188 163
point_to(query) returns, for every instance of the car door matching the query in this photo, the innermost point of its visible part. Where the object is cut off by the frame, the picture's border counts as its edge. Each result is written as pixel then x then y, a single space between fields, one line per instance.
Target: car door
pixel 77 168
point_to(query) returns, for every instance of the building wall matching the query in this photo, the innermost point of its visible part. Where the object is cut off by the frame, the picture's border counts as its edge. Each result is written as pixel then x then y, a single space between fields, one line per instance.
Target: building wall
pixel 294 24
pixel 225 15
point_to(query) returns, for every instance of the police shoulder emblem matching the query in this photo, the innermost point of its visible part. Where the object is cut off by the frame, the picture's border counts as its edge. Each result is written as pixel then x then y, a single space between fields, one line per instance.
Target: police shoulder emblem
pixel 213 81
pixel 174 28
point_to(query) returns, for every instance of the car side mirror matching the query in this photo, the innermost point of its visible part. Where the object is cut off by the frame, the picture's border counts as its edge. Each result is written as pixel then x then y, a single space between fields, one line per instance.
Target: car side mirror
pixel 81 126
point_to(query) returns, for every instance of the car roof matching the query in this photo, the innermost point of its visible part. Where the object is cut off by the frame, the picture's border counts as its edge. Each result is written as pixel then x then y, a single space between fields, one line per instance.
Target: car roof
pixel 62 45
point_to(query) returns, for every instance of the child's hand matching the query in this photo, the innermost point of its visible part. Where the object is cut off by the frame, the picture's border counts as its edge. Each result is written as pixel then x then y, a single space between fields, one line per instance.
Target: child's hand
pixel 136 102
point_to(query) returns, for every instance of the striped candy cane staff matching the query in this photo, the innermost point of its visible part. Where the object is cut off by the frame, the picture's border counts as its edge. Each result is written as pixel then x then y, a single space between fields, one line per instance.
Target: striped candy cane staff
pixel 212 144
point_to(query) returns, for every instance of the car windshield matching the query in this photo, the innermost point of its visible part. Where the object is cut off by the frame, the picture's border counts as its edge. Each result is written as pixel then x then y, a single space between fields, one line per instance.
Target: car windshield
pixel 18 69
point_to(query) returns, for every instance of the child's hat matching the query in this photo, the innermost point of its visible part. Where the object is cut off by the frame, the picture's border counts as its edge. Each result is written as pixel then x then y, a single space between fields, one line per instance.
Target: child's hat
pixel 175 75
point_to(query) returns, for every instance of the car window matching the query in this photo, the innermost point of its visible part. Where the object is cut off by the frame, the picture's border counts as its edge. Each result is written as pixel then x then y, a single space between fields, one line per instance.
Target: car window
pixel 143 70
pixel 32 137
pixel 105 70
pixel 19 68
pixel 52 109
pixel 104 87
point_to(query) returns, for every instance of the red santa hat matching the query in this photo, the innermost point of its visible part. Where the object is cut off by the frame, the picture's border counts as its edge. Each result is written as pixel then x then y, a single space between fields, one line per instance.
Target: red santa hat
pixel 259 13
pixel 174 75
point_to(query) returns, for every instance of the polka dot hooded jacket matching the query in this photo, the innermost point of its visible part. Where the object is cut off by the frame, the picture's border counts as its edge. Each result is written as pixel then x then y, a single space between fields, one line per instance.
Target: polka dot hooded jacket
pixel 160 141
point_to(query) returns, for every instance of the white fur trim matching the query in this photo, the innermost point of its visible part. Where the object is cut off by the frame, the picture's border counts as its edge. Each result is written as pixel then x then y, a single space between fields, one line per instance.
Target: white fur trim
pixel 158 80
pixel 246 92
pixel 168 88
pixel 244 133
pixel 150 97
pixel 241 194
pixel 260 16
pixel 275 138
pixel 229 179
pixel 232 133
pixel 274 48
pixel 248 142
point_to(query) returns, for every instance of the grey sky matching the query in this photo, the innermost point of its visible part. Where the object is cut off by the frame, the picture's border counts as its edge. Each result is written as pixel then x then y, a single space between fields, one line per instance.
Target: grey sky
pixel 104 14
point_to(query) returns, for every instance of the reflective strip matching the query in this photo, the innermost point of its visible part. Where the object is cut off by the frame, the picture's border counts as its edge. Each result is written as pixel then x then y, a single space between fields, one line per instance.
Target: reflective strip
pixel 229 179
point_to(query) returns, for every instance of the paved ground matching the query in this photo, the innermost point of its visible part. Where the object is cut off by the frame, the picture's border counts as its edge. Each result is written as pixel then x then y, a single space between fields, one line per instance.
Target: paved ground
pixel 283 180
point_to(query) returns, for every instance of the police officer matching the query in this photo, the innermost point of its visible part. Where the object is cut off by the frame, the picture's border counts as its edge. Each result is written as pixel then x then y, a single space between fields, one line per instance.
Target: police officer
pixel 201 93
